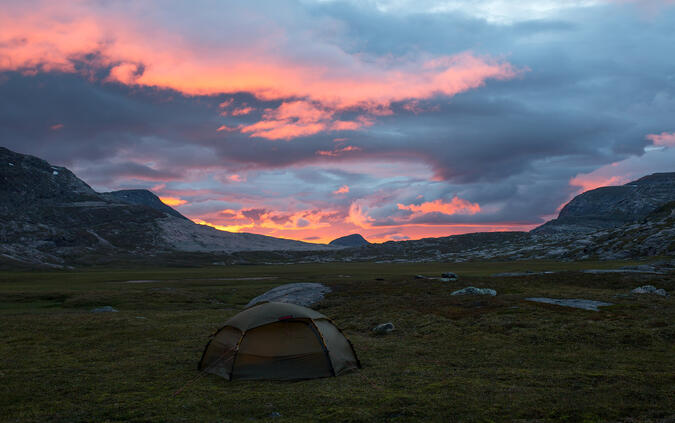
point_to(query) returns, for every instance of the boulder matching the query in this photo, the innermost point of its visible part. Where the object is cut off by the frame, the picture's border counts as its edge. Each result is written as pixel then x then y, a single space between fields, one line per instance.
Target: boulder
pixel 649 289
pixel 384 328
pixel 471 290
pixel 303 294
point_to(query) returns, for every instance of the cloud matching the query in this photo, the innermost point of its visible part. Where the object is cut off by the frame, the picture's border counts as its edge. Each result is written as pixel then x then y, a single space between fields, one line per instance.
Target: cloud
pixel 344 189
pixel 455 206
pixel 665 139
pixel 142 46
pixel 172 201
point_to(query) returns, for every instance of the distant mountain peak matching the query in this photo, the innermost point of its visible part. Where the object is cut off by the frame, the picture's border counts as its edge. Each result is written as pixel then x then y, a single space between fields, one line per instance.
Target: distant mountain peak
pixel 353 240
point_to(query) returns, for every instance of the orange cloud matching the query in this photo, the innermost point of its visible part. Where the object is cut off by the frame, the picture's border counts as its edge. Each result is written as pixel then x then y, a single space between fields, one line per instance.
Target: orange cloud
pixel 226 228
pixel 358 216
pixel 665 139
pixel 455 206
pixel 172 201
pixel 236 178
pixel 344 189
pixel 242 111
pixel 56 127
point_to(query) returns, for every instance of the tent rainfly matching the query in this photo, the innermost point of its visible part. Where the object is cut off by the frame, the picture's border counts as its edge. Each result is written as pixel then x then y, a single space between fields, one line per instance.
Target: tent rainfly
pixel 278 341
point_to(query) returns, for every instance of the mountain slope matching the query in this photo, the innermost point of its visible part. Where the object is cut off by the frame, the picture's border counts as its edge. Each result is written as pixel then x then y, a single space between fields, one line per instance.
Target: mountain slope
pixel 608 207
pixel 49 216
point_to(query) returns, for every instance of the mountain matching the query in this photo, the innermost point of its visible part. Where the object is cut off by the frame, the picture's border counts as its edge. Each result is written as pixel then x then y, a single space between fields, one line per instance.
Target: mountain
pixel 49 216
pixel 610 207
pixel 353 240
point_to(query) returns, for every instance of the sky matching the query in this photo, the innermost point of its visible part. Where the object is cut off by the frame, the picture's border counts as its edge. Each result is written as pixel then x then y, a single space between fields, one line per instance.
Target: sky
pixel 314 119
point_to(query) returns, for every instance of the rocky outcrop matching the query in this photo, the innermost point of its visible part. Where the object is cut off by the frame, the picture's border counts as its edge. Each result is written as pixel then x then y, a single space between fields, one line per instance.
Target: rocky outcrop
pixel 353 240
pixel 610 207
pixel 302 293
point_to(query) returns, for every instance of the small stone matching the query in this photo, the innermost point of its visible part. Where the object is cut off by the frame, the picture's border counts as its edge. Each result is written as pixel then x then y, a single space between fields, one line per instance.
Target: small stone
pixel 471 290
pixel 104 309
pixel 650 289
pixel 384 328
pixel 275 414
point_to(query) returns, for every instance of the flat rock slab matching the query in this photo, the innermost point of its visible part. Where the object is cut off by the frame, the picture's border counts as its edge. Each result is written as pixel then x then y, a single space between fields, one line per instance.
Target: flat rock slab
pixel 572 302
pixel 471 290
pixel 104 309
pixel 600 271
pixel 304 294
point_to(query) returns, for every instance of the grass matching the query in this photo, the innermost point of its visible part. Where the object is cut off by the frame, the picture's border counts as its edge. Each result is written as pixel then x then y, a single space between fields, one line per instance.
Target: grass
pixel 470 359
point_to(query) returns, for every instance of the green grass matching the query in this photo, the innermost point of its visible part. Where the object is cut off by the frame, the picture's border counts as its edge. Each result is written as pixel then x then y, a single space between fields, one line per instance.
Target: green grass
pixel 450 358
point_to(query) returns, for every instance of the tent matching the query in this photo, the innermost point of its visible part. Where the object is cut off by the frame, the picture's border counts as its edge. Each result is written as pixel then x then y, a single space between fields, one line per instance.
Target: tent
pixel 278 341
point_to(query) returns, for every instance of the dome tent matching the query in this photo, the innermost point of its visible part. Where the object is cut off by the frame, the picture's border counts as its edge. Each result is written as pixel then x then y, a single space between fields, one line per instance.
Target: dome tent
pixel 278 341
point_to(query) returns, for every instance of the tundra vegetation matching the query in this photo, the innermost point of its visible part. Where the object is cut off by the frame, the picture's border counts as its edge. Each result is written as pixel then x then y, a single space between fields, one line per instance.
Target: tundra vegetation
pixel 450 358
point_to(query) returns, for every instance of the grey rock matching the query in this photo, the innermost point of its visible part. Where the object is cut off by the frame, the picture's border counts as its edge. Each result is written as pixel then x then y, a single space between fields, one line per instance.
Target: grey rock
pixel 384 328
pixel 449 277
pixel 471 290
pixel 572 302
pixel 104 309
pixel 303 293
pixel 650 289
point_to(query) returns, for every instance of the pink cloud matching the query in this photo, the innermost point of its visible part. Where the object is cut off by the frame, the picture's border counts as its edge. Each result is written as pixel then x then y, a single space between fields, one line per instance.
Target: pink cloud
pixel 665 139
pixel 344 189
pixel 298 118
pixel 140 50
pixel 226 128
pixel 56 127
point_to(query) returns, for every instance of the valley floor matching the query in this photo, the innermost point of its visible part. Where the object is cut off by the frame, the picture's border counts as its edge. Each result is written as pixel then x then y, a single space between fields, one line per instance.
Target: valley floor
pixel 451 358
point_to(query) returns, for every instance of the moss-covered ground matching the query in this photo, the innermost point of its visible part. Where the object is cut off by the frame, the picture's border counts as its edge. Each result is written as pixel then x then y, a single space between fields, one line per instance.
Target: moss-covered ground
pixel 450 358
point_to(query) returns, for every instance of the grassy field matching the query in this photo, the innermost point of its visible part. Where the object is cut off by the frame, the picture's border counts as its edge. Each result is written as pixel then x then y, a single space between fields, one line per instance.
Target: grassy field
pixel 449 359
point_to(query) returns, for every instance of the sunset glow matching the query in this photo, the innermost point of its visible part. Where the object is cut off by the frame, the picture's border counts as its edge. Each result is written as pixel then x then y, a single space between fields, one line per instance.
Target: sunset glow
pixel 311 120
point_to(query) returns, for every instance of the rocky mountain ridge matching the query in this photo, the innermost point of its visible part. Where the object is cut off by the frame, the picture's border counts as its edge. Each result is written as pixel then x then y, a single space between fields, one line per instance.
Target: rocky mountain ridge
pixel 50 217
